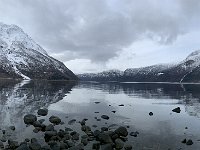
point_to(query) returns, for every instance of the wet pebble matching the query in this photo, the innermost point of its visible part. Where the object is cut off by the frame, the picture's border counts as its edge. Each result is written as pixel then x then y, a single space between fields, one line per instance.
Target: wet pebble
pixel 189 142
pixel 1 145
pixel 121 131
pixel 12 128
pixel 150 114
pixel 55 120
pixel 71 122
pixel 49 127
pixel 30 119
pixel 119 144
pixel 128 147
pixel 177 110
pixel 35 146
pixel 105 117
pixel 135 134
pixel 42 112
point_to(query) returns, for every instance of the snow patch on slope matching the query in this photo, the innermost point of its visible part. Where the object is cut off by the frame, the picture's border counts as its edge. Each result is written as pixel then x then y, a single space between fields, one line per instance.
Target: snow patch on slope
pixel 12 34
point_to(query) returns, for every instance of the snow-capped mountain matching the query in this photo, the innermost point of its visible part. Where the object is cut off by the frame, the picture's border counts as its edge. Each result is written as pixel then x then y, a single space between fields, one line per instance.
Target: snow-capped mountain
pixel 22 57
pixel 110 75
pixel 187 70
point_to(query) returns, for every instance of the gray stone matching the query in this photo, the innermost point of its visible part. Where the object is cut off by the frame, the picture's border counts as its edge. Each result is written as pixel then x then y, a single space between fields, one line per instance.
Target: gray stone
pixel 70 143
pixel 189 142
pixel 107 147
pixel 63 145
pixel 55 120
pixel 96 133
pixel 23 147
pixel 36 124
pixel 30 119
pixel 68 129
pixel 13 144
pixel 119 144
pixel 34 140
pixel 50 133
pixel 35 146
pixel 3 138
pixel 121 131
pixel 105 117
pixel 134 134
pixel 177 110
pixel 50 127
pixel 42 112
pixel 104 138
pixel 128 147
pixel 1 145
pixel 75 137
pixel 12 128
pixel 96 146
pixel 71 122
pixel 84 141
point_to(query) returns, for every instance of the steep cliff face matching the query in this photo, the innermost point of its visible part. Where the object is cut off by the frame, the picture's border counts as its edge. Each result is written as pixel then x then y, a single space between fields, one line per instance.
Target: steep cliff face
pixel 22 57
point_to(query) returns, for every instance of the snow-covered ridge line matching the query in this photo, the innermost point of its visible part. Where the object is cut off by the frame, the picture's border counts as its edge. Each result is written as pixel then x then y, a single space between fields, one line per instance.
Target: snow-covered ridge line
pixel 22 57
pixel 187 70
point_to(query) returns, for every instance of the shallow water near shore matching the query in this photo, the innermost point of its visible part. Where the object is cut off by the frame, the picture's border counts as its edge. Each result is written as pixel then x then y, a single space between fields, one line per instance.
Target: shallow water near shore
pixel 76 100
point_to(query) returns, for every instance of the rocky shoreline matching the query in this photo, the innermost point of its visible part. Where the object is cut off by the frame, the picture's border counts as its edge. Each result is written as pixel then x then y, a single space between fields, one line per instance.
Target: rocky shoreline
pixel 56 138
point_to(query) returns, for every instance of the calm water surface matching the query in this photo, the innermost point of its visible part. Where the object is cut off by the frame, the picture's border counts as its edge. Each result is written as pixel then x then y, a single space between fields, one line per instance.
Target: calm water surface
pixel 69 100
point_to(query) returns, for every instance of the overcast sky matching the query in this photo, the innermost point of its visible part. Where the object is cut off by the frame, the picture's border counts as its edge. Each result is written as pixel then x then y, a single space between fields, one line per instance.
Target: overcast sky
pixel 96 35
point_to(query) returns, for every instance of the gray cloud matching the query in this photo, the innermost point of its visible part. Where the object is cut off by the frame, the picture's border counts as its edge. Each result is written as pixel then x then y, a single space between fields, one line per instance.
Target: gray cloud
pixel 99 29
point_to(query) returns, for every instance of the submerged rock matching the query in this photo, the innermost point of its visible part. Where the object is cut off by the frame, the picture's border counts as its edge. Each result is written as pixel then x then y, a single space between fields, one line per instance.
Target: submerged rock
pixel 105 117
pixel 36 124
pixel 55 120
pixel 12 128
pixel 104 138
pixel 107 147
pixel 30 119
pixel 128 147
pixel 134 134
pixel 71 122
pixel 1 145
pixel 121 131
pixel 23 147
pixel 189 142
pixel 119 144
pixel 42 112
pixel 96 146
pixel 35 146
pixel 50 127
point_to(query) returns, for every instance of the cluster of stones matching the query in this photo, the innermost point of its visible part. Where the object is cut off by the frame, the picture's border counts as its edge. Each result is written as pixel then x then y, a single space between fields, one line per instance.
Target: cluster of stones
pixel 67 138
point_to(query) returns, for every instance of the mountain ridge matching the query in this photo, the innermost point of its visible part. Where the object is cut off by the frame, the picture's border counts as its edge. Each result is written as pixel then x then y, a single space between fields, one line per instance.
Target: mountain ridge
pixel 21 57
pixel 187 70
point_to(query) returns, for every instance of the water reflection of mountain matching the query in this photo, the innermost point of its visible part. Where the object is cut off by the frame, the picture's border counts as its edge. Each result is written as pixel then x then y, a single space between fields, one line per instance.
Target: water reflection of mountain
pixel 19 98
pixel 187 94
pixel 152 90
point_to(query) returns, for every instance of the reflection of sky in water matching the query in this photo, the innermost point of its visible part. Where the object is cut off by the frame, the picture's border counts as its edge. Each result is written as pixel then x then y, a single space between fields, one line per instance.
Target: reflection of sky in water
pixel 163 130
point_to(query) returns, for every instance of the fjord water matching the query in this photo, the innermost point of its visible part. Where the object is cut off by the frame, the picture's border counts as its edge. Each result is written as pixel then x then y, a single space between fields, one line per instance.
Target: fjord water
pixel 76 100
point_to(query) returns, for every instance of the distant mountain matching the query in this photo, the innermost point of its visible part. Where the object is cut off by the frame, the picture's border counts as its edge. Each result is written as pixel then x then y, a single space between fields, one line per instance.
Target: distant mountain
pixel 187 70
pixel 110 75
pixel 21 57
